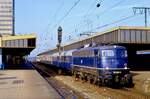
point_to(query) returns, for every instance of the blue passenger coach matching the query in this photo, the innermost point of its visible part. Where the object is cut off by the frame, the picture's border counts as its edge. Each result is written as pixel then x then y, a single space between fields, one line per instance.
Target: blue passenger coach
pixel 64 61
pixel 55 59
pixel 104 65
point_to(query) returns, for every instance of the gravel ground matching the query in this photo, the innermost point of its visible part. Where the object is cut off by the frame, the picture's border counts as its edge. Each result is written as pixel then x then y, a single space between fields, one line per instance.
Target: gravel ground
pixel 94 92
pixel 142 82
pixel 81 87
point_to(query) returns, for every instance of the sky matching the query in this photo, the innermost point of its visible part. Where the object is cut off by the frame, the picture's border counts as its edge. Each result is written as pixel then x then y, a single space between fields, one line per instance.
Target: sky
pixel 43 17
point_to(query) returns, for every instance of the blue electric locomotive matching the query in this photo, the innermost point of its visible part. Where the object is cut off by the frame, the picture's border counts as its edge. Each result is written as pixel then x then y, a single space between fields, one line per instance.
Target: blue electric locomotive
pixel 106 65
pixel 103 65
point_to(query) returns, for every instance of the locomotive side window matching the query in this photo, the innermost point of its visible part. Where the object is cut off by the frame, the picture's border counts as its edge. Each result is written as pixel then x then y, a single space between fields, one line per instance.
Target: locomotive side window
pixel 122 53
pixel 126 54
pixel 108 53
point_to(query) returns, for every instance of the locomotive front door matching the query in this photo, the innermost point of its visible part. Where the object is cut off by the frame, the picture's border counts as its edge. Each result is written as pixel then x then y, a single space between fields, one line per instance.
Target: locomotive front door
pixel 96 58
pixel 96 61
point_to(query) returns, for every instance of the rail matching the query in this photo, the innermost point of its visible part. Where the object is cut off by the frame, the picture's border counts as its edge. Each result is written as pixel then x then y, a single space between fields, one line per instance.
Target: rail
pixel 63 90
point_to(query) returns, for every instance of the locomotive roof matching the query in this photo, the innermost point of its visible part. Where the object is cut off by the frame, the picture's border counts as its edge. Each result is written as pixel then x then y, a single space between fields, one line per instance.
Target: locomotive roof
pixel 55 54
pixel 103 47
pixel 70 52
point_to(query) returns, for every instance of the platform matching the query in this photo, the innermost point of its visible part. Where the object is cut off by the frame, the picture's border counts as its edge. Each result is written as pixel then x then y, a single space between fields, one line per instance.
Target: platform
pixel 25 84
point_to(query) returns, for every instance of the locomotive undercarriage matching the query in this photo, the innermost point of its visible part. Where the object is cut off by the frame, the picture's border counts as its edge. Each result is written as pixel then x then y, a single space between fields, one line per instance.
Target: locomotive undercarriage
pixel 111 78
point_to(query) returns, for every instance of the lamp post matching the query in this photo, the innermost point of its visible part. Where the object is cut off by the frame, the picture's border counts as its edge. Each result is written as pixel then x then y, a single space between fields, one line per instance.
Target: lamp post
pixel 59 31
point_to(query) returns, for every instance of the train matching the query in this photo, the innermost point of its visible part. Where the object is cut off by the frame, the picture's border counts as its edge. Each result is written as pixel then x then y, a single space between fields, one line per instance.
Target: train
pixel 103 65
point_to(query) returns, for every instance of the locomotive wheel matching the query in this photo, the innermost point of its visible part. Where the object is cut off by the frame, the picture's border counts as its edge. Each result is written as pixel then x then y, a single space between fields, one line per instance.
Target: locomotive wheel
pixel 95 81
pixel 122 82
pixel 75 75
pixel 108 82
pixel 86 79
pixel 116 83
pixel 82 76
pixel 59 71
pixel 130 83
pixel 99 82
pixel 90 79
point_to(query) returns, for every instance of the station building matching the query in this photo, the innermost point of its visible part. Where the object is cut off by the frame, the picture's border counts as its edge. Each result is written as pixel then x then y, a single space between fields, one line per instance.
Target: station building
pixel 14 48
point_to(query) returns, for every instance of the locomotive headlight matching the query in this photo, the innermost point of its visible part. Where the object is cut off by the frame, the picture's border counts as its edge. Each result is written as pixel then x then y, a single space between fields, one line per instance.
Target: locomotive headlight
pixel 115 46
pixel 125 66
pixel 107 68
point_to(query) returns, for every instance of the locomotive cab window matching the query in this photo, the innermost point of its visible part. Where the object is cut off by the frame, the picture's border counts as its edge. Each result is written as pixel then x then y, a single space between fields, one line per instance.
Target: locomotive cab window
pixel 96 53
pixel 108 53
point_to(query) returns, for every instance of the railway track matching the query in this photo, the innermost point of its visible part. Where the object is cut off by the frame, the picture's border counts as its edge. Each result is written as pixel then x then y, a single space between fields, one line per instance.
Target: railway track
pixel 68 93
pixel 64 91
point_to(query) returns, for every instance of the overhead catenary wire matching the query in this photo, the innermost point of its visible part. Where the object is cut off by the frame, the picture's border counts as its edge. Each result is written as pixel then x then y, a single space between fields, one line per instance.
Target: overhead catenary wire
pixel 117 21
pixel 106 10
pixel 114 22
pixel 66 14
pixel 110 8
pixel 45 31
pixel 54 16
pixel 113 6
pixel 90 11
pixel 84 15
pixel 87 13
pixel 99 27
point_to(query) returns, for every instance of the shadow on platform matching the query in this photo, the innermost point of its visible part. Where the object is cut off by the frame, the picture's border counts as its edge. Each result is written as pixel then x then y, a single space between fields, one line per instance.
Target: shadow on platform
pixel 25 66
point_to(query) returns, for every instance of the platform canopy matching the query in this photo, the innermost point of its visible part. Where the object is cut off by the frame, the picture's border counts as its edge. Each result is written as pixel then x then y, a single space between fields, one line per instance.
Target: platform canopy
pixel 18 41
pixel 14 48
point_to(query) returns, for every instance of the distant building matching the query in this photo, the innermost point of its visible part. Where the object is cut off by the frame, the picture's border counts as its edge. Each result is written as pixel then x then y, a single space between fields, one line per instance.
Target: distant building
pixel 7 17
